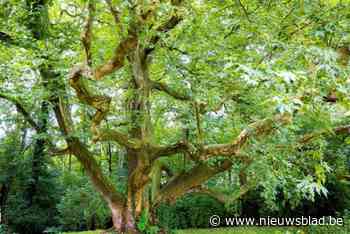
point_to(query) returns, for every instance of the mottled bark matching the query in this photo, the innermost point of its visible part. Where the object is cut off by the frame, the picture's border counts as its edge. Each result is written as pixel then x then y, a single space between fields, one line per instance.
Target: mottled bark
pixel 182 183
pixel 117 61
pixel 87 34
pixel 156 176
pixel 259 128
pixel 123 219
pixel 172 92
pixel 139 164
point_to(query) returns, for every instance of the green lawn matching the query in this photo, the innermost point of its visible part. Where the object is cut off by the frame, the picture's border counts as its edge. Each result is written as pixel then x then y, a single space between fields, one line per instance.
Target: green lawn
pixel 241 230
pixel 238 230
pixel 88 232
pixel 256 230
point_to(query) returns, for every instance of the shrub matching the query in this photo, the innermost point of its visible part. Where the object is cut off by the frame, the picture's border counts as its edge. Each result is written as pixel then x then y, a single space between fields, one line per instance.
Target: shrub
pixel 345 229
pixel 191 211
pixel 82 208
pixel 23 215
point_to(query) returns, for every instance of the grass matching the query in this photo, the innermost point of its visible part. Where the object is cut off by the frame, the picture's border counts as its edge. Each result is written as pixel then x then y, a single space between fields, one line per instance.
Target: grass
pixel 256 230
pixel 88 232
pixel 237 230
pixel 241 230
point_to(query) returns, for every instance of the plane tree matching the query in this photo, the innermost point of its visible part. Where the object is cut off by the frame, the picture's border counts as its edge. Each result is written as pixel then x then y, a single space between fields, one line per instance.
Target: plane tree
pixel 189 89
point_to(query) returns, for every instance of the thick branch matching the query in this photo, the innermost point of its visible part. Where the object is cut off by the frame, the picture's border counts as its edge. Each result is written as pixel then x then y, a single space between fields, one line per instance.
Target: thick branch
pixel 121 51
pixel 179 147
pixel 182 183
pixel 119 137
pixel 156 173
pixel 191 181
pixel 165 88
pixel 99 102
pixel 87 33
pixel 80 151
pixel 94 171
pixel 259 128
pixel 117 61
pixel 173 21
pixel 63 115
pixel 166 27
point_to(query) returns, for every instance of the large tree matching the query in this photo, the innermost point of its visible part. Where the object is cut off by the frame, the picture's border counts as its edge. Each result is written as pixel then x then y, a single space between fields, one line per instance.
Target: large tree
pixel 190 80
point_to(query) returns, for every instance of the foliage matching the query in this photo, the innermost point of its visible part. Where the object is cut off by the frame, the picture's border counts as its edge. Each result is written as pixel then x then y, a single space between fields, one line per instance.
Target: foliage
pixel 81 207
pixel 191 211
pixel 283 202
pixel 22 215
pixel 344 229
pixel 32 218
pixel 144 224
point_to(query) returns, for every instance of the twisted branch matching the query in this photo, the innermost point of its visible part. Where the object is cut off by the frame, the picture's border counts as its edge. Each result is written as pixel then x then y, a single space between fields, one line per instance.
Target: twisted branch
pixel 259 128
pixel 87 33
pixel 99 102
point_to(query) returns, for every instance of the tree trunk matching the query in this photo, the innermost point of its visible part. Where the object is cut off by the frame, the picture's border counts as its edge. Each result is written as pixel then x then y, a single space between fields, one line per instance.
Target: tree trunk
pixel 122 216
pixel 137 180
pixel 123 220
pixel 139 164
